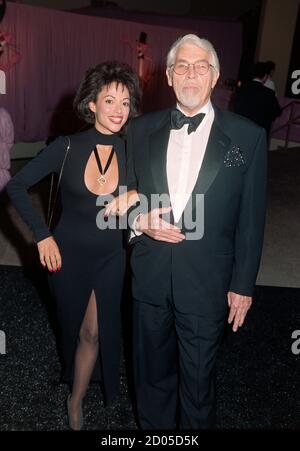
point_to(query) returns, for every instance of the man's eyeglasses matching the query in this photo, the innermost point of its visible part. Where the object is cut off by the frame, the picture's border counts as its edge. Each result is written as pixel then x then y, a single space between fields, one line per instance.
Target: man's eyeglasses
pixel 201 67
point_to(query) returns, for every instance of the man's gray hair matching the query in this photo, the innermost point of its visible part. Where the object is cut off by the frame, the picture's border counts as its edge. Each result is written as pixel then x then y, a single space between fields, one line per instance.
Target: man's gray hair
pixel 198 42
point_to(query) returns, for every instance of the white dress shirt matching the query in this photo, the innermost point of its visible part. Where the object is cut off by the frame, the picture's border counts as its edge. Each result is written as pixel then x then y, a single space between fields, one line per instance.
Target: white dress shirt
pixel 185 155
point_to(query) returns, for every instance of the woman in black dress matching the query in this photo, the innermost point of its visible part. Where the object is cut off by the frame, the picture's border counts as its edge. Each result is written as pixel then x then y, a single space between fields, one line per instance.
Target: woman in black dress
pixel 86 264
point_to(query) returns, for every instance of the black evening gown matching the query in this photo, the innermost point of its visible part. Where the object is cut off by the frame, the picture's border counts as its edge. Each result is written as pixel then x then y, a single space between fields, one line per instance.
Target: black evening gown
pixel 92 258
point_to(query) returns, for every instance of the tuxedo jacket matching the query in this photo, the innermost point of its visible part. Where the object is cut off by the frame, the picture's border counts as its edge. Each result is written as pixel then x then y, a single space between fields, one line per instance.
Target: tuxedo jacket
pixel 258 103
pixel 232 180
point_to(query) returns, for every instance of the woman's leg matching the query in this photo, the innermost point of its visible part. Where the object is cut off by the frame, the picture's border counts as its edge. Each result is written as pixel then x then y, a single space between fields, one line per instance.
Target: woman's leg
pixel 85 359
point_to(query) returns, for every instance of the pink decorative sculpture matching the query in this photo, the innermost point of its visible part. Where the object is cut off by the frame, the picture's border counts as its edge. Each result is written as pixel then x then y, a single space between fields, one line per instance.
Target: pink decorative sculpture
pixel 9 55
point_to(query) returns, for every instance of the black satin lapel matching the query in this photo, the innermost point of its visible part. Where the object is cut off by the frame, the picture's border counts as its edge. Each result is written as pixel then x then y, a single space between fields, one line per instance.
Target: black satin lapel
pixel 158 157
pixel 217 146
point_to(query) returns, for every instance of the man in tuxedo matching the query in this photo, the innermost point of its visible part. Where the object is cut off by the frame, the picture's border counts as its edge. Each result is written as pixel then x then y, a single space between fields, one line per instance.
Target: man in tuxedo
pixel 195 259
pixel 256 101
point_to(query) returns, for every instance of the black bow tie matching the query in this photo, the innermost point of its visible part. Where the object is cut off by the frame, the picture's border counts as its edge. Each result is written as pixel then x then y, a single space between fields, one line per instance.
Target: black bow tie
pixel 178 119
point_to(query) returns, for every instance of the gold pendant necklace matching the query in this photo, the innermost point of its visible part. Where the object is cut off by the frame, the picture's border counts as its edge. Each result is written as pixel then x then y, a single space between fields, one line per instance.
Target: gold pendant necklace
pixel 101 180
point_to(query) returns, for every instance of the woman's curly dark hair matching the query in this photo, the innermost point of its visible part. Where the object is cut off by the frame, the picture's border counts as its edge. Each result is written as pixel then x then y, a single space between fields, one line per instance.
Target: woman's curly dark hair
pixel 103 75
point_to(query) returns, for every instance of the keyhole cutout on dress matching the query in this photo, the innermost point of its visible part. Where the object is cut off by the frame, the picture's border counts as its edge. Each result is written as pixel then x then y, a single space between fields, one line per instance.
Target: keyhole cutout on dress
pixel 92 173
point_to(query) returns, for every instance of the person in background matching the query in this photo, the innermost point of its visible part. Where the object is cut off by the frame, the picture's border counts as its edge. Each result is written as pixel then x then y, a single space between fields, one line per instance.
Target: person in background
pixel 256 102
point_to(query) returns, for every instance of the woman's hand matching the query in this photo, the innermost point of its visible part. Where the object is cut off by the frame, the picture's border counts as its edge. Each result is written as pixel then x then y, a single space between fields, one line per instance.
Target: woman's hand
pixel 122 203
pixel 49 254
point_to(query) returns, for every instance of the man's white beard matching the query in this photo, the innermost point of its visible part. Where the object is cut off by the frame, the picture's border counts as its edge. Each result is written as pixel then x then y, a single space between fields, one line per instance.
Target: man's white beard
pixel 190 101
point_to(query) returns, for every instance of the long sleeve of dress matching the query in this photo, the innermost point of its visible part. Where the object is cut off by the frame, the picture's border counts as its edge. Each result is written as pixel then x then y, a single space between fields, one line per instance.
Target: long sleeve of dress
pixel 47 161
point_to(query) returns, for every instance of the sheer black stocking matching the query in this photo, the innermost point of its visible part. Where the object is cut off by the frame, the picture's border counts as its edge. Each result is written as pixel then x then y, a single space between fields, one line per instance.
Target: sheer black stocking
pixel 85 358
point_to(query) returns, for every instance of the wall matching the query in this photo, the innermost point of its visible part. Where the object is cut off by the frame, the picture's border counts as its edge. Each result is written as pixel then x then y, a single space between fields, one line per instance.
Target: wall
pixel 277 26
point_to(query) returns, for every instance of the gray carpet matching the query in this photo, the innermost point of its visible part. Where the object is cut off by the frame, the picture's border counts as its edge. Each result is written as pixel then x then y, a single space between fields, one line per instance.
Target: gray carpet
pixel 257 372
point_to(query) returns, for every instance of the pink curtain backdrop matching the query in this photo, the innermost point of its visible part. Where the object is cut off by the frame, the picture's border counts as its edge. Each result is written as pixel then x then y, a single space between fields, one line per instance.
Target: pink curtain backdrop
pixel 57 47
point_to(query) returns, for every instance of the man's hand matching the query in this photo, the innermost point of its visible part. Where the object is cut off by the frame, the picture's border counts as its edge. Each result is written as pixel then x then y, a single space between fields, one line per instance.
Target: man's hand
pixel 120 205
pixel 239 306
pixel 154 226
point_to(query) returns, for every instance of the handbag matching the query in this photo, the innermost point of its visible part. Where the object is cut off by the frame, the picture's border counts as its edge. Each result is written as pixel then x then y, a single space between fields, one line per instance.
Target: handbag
pixel 52 199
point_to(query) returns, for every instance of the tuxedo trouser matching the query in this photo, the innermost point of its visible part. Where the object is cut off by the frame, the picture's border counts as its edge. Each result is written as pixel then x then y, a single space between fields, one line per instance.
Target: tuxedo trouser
pixel 174 360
